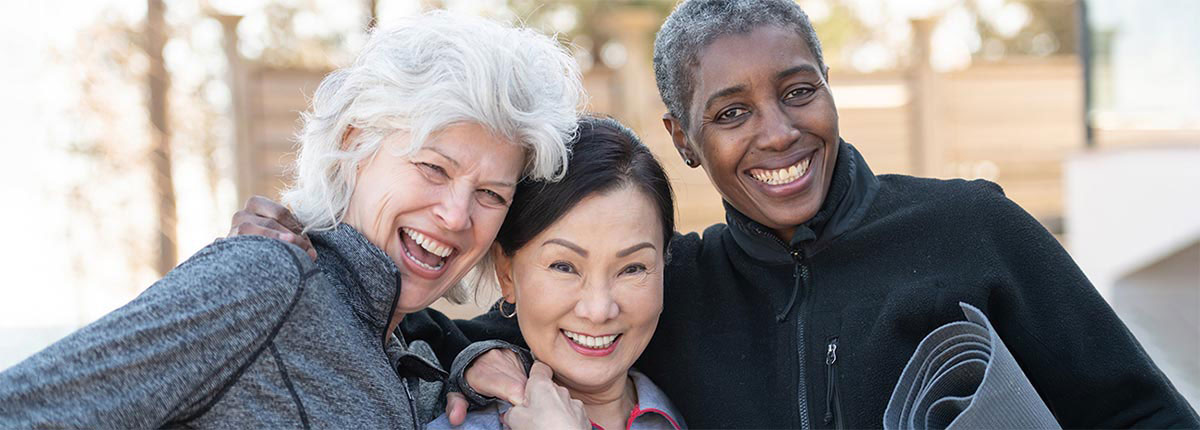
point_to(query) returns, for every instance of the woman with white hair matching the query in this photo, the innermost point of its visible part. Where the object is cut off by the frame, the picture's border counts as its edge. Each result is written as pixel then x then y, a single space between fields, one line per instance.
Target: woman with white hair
pixel 408 160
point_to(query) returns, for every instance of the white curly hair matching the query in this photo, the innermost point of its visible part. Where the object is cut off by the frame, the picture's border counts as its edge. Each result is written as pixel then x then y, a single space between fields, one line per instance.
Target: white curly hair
pixel 420 76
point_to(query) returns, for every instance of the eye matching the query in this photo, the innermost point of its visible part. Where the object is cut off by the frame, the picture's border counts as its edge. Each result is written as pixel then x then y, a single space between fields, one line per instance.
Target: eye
pixel 633 269
pixel 491 198
pixel 433 171
pixel 798 93
pixel 731 114
pixel 562 266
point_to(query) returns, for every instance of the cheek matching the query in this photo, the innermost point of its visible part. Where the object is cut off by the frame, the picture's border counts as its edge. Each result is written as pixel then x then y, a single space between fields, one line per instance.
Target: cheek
pixel 722 154
pixel 487 223
pixel 542 301
pixel 826 121
pixel 642 304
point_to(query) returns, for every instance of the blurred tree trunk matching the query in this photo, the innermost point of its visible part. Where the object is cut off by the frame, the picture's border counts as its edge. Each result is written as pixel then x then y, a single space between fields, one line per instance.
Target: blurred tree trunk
pixel 372 14
pixel 160 155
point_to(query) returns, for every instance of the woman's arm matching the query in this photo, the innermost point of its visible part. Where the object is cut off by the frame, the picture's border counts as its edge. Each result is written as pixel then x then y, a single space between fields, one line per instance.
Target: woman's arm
pixel 1076 351
pixel 167 354
pixel 500 375
pixel 486 345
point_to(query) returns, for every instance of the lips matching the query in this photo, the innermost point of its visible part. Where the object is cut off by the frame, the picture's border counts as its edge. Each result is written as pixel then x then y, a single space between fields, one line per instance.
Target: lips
pixel 425 255
pixel 593 346
pixel 784 175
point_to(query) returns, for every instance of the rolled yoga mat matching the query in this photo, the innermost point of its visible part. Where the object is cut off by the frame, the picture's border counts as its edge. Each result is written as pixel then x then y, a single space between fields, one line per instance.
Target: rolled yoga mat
pixel 962 377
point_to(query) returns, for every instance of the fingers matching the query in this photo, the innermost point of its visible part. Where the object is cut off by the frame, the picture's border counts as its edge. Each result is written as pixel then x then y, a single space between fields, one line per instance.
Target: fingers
pixel 456 408
pixel 498 373
pixel 257 230
pixel 540 371
pixel 268 208
pixel 263 217
pixel 549 405
pixel 539 381
pixel 258 226
pixel 514 417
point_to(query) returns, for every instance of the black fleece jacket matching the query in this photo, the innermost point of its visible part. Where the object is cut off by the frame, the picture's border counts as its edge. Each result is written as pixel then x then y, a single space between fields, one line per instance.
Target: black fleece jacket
pixel 814 332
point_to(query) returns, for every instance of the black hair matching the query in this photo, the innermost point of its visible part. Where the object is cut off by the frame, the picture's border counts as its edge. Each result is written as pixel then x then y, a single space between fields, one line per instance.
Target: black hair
pixel 605 156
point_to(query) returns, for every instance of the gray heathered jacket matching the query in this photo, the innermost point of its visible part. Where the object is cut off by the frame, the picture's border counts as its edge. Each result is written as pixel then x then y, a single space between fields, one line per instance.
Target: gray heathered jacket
pixel 248 333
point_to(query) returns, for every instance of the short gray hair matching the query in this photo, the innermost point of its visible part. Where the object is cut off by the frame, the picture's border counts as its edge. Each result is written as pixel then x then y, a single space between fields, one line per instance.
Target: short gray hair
pixel 422 75
pixel 696 23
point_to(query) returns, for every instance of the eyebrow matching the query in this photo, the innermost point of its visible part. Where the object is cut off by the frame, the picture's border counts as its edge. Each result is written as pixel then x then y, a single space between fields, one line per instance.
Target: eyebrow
pixel 443 154
pixel 723 93
pixel 506 184
pixel 803 68
pixel 633 248
pixel 567 244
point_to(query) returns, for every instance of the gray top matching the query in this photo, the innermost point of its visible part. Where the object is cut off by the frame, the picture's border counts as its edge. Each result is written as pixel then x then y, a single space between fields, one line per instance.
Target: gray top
pixel 247 333
pixel 653 411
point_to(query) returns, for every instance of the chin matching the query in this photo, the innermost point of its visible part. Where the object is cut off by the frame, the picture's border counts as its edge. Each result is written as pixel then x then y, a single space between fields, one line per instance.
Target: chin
pixel 415 296
pixel 798 215
pixel 589 376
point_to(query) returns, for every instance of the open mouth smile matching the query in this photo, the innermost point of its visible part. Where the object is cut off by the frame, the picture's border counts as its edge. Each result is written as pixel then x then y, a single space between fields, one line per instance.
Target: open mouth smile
pixel 424 253
pixel 594 346
pixel 784 175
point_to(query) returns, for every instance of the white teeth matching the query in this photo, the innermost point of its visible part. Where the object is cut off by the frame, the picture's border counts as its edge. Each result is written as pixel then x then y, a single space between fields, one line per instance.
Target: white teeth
pixel 785 175
pixel 599 342
pixel 434 247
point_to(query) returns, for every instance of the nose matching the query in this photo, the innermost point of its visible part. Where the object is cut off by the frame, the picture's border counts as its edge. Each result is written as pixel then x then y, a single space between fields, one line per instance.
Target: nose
pixel 453 211
pixel 596 303
pixel 777 131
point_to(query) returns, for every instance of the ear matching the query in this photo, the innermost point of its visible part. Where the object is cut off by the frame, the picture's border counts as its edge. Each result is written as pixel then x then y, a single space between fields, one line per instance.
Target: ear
pixel 504 273
pixel 826 74
pixel 679 138
pixel 348 137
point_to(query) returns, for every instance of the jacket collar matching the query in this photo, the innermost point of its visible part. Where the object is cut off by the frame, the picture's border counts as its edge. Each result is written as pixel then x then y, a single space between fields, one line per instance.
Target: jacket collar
pixel 652 401
pixel 370 282
pixel 369 278
pixel 851 191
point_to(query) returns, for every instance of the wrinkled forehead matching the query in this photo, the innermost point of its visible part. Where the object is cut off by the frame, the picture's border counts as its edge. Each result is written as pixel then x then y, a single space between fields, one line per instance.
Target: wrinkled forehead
pixel 764 54
pixel 474 146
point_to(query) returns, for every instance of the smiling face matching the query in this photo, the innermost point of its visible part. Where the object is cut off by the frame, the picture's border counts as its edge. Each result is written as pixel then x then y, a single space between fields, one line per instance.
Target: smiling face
pixel 588 289
pixel 436 211
pixel 763 125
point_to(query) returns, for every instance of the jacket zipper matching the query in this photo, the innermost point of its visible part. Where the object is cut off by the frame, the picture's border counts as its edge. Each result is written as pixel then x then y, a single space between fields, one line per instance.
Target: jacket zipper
pixel 801 274
pixel 412 402
pixel 833 404
pixel 801 282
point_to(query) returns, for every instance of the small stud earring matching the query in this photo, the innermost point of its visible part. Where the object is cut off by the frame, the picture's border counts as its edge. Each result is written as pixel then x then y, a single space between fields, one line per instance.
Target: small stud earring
pixel 689 162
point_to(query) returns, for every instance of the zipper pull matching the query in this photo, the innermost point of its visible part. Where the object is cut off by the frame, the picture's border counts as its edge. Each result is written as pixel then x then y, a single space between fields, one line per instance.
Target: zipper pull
pixel 830 378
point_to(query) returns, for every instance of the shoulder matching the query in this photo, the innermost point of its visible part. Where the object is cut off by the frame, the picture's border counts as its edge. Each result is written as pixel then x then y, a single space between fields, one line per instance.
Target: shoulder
pixel 682 247
pixel 901 186
pixel 250 247
pixel 246 264
pixel 962 202
pixel 251 256
pixel 686 249
pixel 966 218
